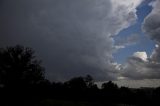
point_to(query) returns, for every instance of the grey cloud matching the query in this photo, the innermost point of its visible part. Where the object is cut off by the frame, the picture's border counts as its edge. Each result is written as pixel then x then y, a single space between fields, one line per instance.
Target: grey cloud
pixel 151 27
pixel 140 83
pixel 151 23
pixel 72 37
pixel 136 68
pixel 155 56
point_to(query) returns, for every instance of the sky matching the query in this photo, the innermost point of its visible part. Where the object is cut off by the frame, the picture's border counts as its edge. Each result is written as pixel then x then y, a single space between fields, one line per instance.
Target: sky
pixel 108 39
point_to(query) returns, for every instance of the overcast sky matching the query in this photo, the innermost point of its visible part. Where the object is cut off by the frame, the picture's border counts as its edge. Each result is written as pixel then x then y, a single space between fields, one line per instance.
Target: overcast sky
pixel 108 39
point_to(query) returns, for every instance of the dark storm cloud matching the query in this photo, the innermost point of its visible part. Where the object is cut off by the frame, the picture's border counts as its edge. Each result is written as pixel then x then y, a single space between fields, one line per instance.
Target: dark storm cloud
pixel 151 23
pixel 151 27
pixel 72 37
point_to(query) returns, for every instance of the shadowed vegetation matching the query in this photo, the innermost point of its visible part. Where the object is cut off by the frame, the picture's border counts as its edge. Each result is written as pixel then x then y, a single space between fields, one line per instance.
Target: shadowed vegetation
pixel 22 83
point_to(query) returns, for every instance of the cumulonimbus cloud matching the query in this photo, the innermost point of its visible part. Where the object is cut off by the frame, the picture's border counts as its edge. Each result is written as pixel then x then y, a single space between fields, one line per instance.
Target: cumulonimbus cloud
pixel 72 37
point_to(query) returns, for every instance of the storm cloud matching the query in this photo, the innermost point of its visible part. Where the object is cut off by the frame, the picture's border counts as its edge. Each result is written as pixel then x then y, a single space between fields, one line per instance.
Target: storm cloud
pixel 151 27
pixel 72 37
pixel 137 69
pixel 141 66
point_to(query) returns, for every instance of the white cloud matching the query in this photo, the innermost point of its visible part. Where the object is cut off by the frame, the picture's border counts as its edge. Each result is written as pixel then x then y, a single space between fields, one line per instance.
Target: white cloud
pixel 141 55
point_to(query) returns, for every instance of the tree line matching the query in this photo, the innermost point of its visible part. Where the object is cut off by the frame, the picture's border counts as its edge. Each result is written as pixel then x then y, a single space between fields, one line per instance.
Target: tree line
pixel 22 83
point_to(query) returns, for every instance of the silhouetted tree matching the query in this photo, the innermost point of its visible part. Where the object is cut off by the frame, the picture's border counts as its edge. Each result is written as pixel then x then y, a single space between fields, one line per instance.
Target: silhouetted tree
pixel 109 85
pixel 24 76
pixel 89 81
pixel 18 67
pixel 126 95
pixel 77 83
pixel 110 91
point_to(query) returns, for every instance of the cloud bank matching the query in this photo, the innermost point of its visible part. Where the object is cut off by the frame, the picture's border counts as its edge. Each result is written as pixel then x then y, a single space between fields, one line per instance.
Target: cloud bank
pixel 72 37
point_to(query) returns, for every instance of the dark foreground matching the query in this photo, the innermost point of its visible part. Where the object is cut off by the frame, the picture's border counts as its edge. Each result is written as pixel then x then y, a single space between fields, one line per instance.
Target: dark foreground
pixel 22 83
pixel 74 94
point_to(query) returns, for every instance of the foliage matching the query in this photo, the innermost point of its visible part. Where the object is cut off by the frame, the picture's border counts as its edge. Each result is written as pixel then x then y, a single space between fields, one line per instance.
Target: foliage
pixel 18 66
pixel 22 83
